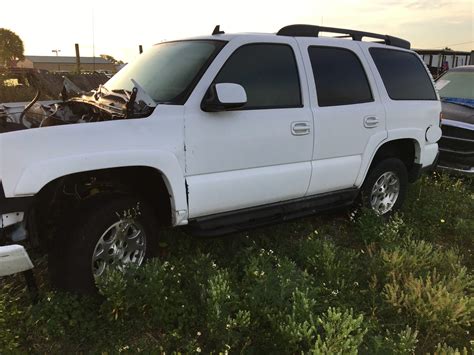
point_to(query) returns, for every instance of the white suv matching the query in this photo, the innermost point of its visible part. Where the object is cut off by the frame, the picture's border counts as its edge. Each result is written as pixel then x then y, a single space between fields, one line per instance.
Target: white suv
pixel 220 133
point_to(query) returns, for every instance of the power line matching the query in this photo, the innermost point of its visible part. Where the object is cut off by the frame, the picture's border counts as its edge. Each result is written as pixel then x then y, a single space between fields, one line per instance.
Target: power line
pixel 458 44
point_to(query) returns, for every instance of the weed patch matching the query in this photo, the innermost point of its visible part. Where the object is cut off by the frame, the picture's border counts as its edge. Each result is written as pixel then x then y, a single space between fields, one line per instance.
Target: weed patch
pixel 339 283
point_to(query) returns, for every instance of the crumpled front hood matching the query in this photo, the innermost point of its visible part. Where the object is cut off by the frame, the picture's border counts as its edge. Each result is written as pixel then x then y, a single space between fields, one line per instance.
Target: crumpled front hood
pixel 10 115
pixel 21 116
pixel 82 107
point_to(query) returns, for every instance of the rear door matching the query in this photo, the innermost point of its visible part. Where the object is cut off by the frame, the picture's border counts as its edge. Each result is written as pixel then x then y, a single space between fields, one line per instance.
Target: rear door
pixel 260 153
pixel 349 119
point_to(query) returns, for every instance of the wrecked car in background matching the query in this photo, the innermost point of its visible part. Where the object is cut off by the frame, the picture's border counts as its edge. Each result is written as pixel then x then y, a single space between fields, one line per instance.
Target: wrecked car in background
pixel 456 90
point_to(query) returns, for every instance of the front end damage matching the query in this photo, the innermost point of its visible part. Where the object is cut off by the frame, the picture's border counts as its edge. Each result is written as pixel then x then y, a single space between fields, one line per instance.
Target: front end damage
pixel 77 107
pixel 16 217
pixel 14 258
pixel 13 216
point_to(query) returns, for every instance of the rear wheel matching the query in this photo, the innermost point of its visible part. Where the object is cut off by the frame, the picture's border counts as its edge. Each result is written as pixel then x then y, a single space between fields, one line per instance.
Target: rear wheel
pixel 385 187
pixel 109 232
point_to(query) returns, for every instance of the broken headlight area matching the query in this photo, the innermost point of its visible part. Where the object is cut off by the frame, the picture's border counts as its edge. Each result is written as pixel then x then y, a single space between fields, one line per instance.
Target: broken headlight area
pixel 95 106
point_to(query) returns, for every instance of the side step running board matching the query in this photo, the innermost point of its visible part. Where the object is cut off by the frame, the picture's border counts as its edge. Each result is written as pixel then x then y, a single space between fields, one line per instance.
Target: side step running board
pixel 249 218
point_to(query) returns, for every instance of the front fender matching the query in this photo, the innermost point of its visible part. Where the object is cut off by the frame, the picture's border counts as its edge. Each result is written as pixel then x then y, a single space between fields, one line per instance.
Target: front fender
pixel 39 174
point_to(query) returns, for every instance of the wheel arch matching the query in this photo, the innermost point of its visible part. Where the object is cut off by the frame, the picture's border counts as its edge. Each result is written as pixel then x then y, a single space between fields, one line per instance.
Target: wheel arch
pixel 408 150
pixel 38 176
pixel 63 196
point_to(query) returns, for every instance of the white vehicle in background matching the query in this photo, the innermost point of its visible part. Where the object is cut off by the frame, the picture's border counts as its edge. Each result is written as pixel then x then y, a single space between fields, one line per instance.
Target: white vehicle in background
pixel 218 133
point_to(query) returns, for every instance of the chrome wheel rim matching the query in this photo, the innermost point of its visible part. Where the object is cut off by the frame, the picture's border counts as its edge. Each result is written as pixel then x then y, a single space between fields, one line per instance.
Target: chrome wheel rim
pixel 385 192
pixel 122 244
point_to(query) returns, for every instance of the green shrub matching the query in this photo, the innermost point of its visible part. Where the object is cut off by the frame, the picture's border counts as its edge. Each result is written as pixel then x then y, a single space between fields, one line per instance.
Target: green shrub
pixel 327 284
pixel 438 306
pixel 300 329
pixel 444 349
pixel 60 317
pixel 343 334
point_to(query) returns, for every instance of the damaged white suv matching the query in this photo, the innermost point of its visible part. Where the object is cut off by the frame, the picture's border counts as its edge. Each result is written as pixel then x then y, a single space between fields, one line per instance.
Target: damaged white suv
pixel 218 133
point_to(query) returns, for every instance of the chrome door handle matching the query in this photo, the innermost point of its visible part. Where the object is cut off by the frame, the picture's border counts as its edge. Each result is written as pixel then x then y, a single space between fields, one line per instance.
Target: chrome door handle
pixel 300 128
pixel 371 122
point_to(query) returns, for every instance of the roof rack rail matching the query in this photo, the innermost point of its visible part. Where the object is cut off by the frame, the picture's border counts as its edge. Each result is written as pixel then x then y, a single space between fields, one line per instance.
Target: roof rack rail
pixel 313 31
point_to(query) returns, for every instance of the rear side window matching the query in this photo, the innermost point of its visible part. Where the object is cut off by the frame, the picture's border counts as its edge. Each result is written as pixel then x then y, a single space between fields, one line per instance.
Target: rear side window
pixel 339 76
pixel 403 75
pixel 268 74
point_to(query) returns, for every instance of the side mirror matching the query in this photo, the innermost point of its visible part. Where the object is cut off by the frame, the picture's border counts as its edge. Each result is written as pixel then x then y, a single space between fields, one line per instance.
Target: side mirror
pixel 224 96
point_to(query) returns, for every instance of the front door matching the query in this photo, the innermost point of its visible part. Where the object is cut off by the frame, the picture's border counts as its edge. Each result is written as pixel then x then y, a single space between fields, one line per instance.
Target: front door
pixel 260 153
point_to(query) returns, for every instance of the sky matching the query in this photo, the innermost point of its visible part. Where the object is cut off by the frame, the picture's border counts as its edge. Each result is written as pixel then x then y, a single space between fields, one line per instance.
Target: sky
pixel 117 27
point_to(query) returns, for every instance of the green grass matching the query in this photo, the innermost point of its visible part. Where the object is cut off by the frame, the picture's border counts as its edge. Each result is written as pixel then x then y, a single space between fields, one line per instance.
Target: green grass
pixel 345 282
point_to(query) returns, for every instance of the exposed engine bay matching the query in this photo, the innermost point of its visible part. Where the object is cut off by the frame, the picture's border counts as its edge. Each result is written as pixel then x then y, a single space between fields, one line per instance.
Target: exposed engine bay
pixel 77 107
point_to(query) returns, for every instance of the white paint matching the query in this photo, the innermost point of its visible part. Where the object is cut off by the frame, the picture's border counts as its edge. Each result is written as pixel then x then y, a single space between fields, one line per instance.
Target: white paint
pixel 14 259
pixel 233 190
pixel 9 219
pixel 334 174
pixel 430 151
pixel 433 134
pixel 229 93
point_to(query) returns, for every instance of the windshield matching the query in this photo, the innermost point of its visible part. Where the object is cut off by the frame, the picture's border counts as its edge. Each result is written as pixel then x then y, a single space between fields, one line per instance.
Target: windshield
pixel 458 85
pixel 168 71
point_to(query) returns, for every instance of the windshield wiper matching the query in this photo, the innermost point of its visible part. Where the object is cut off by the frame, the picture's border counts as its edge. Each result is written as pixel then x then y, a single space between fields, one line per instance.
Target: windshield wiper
pixel 130 107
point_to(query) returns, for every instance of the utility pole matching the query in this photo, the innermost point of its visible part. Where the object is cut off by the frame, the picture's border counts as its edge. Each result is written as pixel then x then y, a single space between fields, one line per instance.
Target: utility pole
pixel 57 54
pixel 78 59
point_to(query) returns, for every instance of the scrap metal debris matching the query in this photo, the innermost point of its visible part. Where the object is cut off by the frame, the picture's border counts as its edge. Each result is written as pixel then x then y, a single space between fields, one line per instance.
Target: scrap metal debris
pixel 77 107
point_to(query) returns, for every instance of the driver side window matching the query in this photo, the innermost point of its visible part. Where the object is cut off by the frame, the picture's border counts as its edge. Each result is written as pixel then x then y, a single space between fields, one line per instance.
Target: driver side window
pixel 268 73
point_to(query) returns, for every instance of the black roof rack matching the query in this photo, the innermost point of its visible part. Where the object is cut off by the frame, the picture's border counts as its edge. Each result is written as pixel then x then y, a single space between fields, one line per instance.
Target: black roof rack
pixel 313 31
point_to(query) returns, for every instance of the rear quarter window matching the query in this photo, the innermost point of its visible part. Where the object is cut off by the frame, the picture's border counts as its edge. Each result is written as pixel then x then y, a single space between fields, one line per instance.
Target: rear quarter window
pixel 403 75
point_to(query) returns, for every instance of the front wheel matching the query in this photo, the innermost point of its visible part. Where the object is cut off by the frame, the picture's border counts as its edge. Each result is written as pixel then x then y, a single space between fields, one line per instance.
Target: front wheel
pixel 110 232
pixel 385 186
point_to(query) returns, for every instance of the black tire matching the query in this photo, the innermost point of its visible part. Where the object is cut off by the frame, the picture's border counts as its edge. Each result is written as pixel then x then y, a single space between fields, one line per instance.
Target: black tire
pixel 70 258
pixel 387 165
